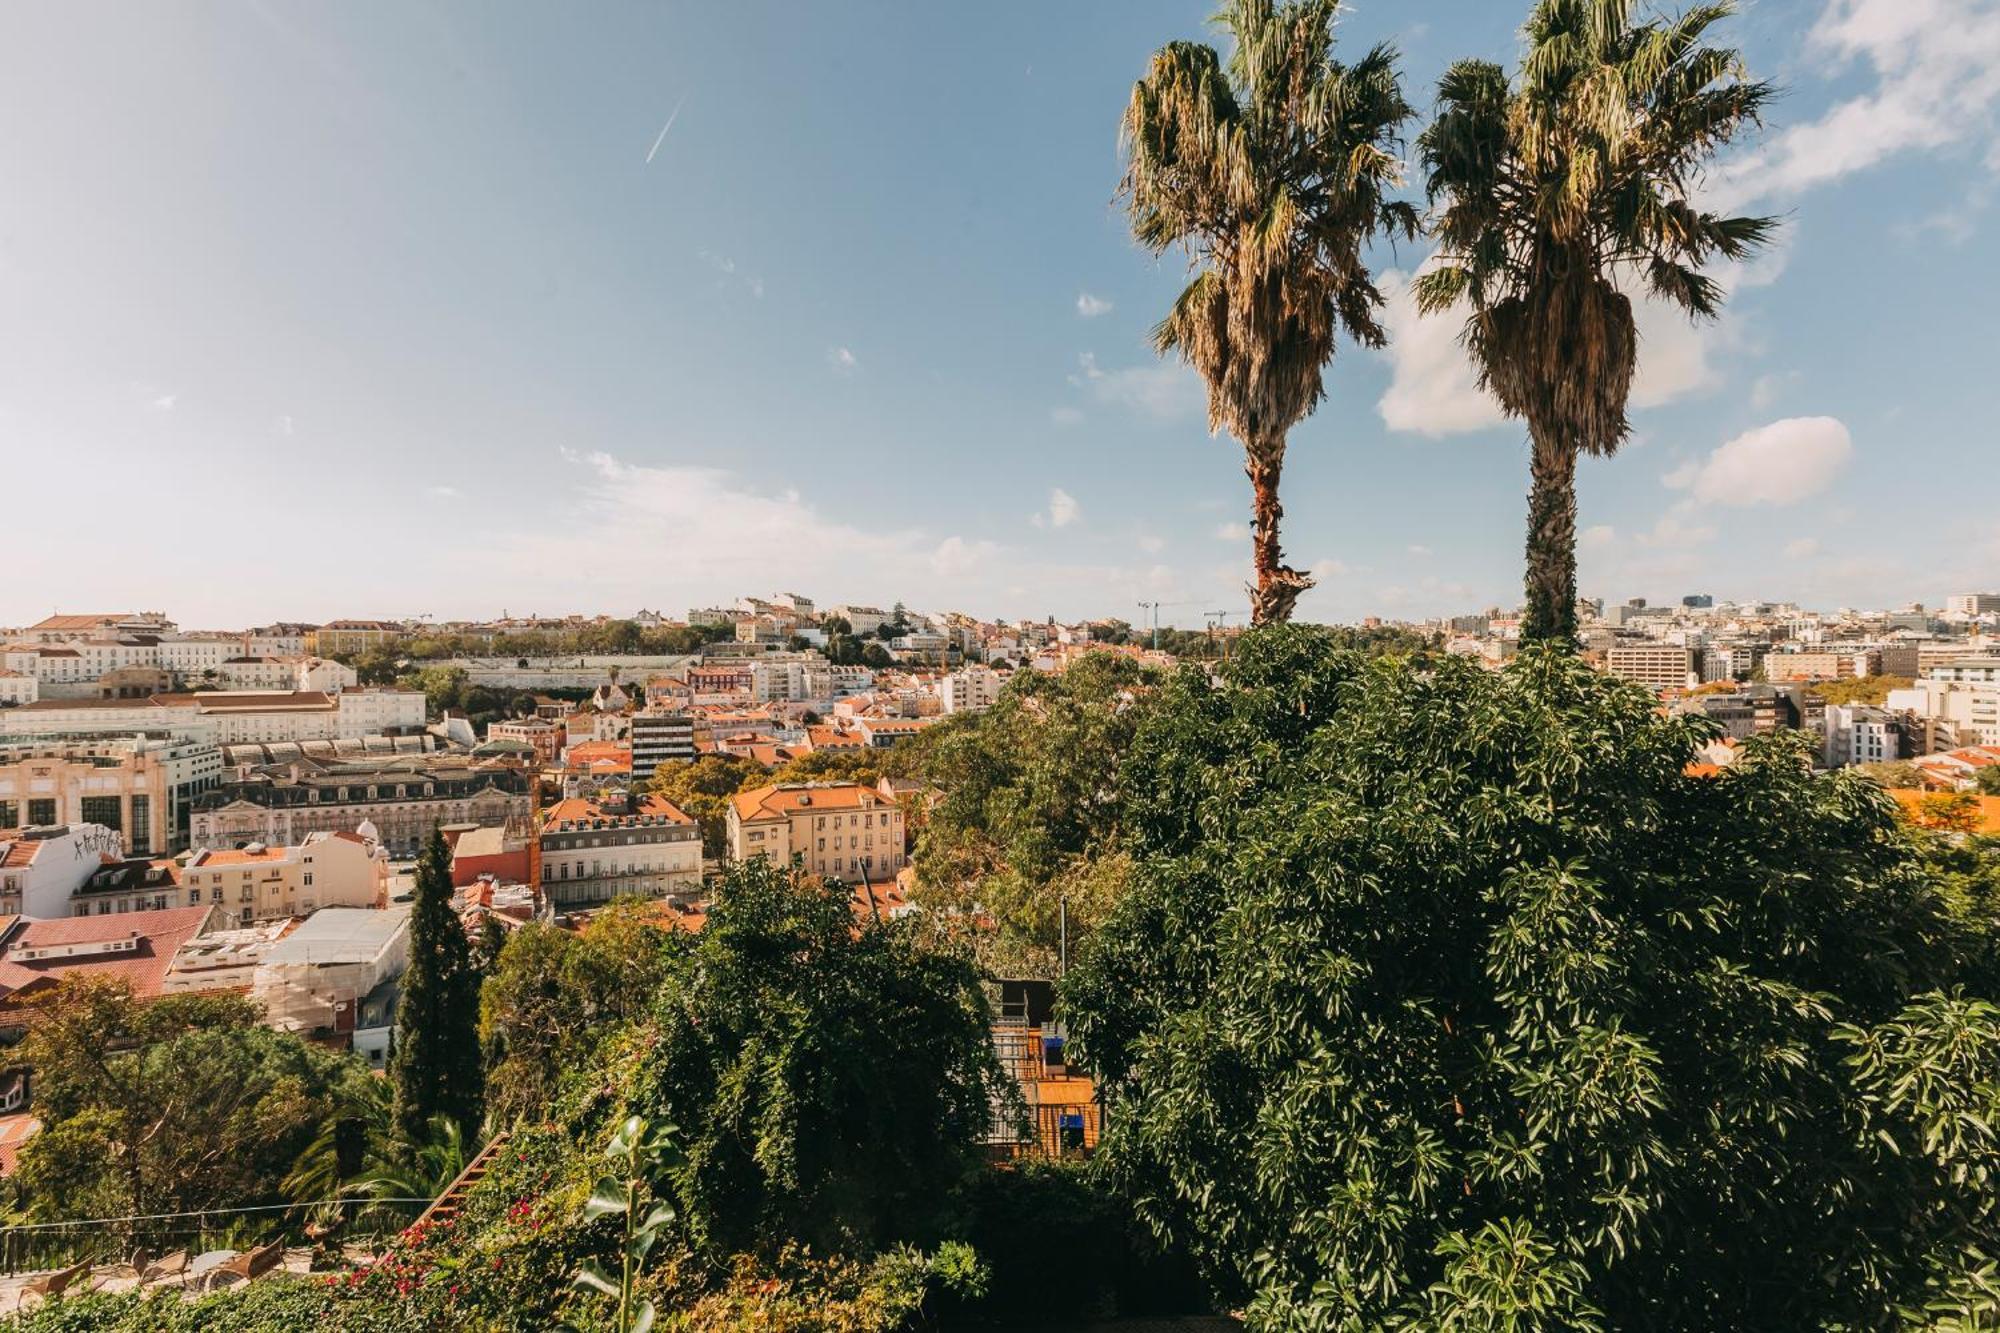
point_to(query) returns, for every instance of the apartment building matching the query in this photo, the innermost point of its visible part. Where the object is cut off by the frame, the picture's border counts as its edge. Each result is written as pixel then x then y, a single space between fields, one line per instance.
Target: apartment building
pixel 262 883
pixel 41 867
pixel 660 736
pixel 143 786
pixel 1961 712
pixel 231 717
pixel 1858 734
pixel 286 673
pixel 402 797
pixel 839 830
pixel 17 688
pixel 1658 666
pixel 973 689
pixel 616 845
pixel 1973 604
pixel 537 733
pixel 1830 664
pixel 352 636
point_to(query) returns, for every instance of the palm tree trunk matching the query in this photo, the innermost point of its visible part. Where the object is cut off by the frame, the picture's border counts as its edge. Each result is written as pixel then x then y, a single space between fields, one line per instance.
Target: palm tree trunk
pixel 1278 586
pixel 1551 580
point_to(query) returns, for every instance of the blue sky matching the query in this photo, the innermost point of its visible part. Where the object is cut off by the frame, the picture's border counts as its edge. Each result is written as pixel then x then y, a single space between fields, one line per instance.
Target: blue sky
pixel 380 309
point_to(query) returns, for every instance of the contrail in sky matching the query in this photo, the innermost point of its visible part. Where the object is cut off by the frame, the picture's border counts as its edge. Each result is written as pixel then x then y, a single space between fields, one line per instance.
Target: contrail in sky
pixel 664 128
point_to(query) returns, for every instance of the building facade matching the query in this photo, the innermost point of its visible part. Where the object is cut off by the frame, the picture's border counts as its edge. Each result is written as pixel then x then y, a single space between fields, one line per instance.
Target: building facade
pixel 660 737
pixel 1658 666
pixel 262 883
pixel 839 830
pixel 402 798
pixel 143 786
pixel 596 849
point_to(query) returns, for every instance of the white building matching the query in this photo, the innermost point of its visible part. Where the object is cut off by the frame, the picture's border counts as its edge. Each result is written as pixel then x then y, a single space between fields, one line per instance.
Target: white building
pixel 316 979
pixel 614 846
pixel 231 717
pixel 41 867
pixel 18 687
pixel 973 689
pixel 1962 712
pixel 1857 734
pixel 1657 666
pixel 262 883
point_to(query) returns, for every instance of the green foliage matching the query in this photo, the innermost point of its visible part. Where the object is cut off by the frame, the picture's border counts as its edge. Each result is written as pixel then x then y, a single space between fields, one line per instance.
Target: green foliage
pixel 555 996
pixel 436 1067
pixel 265 1306
pixel 1870 690
pixel 1443 999
pixel 702 788
pixel 1272 167
pixel 1558 192
pixel 1987 780
pixel 641 1154
pixel 182 1103
pixel 1031 812
pixel 831 1078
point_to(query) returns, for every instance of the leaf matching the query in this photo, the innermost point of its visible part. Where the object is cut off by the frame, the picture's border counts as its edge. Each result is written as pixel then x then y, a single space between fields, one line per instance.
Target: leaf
pixel 642 1319
pixel 610 1196
pixel 628 1137
pixel 659 1215
pixel 590 1276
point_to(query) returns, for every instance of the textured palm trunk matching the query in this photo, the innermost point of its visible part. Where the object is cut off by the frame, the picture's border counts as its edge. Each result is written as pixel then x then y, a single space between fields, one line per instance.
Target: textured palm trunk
pixel 1551 578
pixel 1278 586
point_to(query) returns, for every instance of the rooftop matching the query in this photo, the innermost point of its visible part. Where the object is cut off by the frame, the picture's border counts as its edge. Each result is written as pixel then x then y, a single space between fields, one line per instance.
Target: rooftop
pixel 340 935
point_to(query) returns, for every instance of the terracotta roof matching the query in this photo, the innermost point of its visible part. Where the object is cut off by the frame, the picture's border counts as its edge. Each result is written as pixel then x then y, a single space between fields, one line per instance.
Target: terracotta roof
pixel 15 1131
pixel 244 856
pixel 160 934
pixel 579 808
pixel 776 802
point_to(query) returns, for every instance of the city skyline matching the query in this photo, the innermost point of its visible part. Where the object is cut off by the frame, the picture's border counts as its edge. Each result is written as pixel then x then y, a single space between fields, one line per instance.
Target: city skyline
pixel 321 313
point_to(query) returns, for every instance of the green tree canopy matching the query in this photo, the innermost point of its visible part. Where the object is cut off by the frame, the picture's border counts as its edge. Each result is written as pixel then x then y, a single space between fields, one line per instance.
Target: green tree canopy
pixel 1447 999
pixel 180 1103
pixel 701 788
pixel 1031 811
pixel 830 1078
pixel 555 995
pixel 436 1066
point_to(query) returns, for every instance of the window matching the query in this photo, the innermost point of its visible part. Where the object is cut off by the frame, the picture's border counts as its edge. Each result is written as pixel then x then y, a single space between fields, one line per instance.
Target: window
pixel 194 897
pixel 140 837
pixel 105 810
pixel 41 810
pixel 309 879
pixel 10 814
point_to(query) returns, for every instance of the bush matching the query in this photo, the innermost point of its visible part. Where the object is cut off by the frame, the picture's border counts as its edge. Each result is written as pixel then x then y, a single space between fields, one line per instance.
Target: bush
pixel 1447 999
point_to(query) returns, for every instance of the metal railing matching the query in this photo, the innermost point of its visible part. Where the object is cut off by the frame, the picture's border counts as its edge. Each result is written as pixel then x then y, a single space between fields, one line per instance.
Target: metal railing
pixel 37 1246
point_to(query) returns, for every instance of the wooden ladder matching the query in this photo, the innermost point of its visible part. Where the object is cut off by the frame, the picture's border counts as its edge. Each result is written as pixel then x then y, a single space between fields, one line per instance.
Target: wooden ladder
pixel 447 1204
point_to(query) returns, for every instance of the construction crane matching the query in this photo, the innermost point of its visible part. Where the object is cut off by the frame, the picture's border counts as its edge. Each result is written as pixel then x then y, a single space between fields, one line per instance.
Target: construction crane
pixel 1154 607
pixel 1219 619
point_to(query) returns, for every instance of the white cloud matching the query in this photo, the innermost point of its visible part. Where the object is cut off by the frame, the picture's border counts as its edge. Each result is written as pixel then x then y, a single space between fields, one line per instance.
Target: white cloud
pixel 1778 464
pixel 285 425
pixel 1150 543
pixel 1433 390
pixel 1232 532
pixel 1067 416
pixel 1164 390
pixel 842 358
pixel 1596 537
pixel 443 492
pixel 1676 529
pixel 165 402
pixel 1063 510
pixel 1090 307
pixel 1936 67
pixel 1419 549
pixel 1802 549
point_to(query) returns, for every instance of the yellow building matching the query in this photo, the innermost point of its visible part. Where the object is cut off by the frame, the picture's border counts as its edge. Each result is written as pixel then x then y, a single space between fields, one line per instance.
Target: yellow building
pixel 841 830
pixel 259 883
pixel 352 636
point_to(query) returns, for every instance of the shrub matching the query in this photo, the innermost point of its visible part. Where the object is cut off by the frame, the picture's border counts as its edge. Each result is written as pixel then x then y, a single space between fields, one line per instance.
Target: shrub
pixel 1447 999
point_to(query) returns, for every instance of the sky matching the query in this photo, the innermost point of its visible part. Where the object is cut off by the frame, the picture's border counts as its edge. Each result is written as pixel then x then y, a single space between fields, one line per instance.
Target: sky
pixel 400 309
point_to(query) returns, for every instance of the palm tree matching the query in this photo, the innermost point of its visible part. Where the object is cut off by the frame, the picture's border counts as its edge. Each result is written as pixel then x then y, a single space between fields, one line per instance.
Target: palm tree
pixel 1559 193
pixel 1271 172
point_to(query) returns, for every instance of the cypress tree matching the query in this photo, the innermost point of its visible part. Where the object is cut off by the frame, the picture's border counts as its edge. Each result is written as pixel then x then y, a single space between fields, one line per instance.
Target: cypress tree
pixel 437 1062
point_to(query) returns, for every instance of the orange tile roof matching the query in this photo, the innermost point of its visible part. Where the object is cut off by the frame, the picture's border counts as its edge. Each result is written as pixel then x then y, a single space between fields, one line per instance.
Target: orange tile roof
pixel 160 934
pixel 235 857
pixel 775 802
pixel 580 808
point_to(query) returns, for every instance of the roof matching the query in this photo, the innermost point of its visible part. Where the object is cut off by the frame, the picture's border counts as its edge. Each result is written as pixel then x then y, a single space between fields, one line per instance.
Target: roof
pixel 578 809
pixel 159 934
pixel 775 802
pixel 1912 802
pixel 15 1131
pixel 340 935
pixel 480 842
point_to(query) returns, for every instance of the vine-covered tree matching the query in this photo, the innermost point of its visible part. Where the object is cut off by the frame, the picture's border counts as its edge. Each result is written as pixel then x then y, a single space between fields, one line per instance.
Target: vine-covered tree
pixel 830 1077
pixel 437 1067
pixel 1272 169
pixel 1560 192
pixel 1448 999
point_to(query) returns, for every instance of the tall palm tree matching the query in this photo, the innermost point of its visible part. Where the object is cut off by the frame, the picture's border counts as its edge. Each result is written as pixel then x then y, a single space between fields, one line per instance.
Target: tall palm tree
pixel 1559 193
pixel 1271 170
